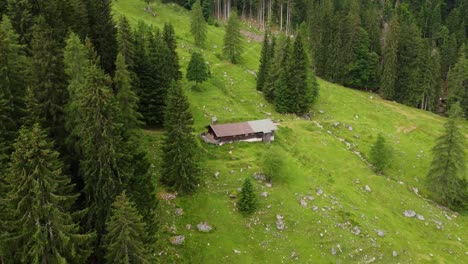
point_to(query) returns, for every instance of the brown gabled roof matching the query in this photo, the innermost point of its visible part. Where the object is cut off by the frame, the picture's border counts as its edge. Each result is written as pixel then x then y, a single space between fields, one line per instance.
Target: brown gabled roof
pixel 229 130
pixel 237 129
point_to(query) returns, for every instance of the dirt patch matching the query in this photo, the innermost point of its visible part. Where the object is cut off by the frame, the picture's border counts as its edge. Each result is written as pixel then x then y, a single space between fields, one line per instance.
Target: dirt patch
pixel 252 36
pixel 406 130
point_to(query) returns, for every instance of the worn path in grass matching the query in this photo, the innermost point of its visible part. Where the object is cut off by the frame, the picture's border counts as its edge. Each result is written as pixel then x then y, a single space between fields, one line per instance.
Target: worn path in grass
pixel 322 230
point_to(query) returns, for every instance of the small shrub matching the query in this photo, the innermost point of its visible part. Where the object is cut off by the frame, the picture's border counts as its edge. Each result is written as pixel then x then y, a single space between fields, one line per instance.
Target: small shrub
pixel 247 201
pixel 273 164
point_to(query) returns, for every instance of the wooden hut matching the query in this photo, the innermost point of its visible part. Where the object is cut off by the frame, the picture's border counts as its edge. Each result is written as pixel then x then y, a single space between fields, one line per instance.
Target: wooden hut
pixel 251 131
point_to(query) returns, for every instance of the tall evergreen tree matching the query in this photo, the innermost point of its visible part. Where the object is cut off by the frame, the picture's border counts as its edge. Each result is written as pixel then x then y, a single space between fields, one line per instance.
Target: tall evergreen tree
pixel 447 176
pixel 275 68
pixel 180 161
pixel 40 191
pixel 390 61
pixel 170 39
pixel 284 97
pixel 125 237
pixel 233 44
pixel 198 26
pixel 49 81
pixel 126 42
pixel 264 61
pixel 247 201
pixel 197 69
pixel 458 82
pixel 103 32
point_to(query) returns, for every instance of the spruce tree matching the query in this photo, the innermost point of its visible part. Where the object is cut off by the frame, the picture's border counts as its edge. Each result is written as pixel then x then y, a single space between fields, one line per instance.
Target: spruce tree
pixel 180 161
pixel 170 39
pixel 380 154
pixel 284 96
pixel 40 190
pixel 458 82
pixel 233 44
pixel 248 201
pixel 49 80
pixel 197 69
pixel 298 80
pixel 275 68
pixel 126 42
pixel 103 32
pixel 390 61
pixel 124 241
pixel 264 61
pixel 446 179
pixel 198 26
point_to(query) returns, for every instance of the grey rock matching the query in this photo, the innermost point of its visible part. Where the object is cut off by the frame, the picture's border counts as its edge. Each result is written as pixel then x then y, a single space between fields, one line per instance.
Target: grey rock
pixel 269 206
pixel 394 253
pixel 367 188
pixel 380 233
pixel 322 111
pixel 409 213
pixel 315 208
pixel 356 230
pixel 303 202
pixel 179 211
pixel 333 251
pixel 267 184
pixel 336 124
pixel 264 194
pixel 216 174
pixel 310 198
pixel 236 251
pixel 188 226
pixel 279 222
pixel 420 217
pixel 319 191
pixel 204 227
pixel 259 177
pixel 177 240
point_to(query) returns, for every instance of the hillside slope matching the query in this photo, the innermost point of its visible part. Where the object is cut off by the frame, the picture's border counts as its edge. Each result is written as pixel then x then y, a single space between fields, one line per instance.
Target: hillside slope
pixel 322 163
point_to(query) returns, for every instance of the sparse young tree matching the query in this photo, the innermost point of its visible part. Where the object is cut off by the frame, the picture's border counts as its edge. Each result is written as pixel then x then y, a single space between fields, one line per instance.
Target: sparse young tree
pixel 380 154
pixel 180 161
pixel 248 201
pixel 198 25
pixel 40 191
pixel 273 164
pixel 125 239
pixel 233 43
pixel 197 69
pixel 446 179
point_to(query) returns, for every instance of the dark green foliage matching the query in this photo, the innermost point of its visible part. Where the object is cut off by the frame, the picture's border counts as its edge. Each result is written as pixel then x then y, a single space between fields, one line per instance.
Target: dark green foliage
pixel 458 82
pixel 233 40
pixel 380 154
pixel 180 161
pixel 206 8
pixel 429 77
pixel 247 201
pixel 125 236
pixel 197 69
pixel 49 81
pixel 446 179
pixel 264 61
pixel 275 68
pixel 40 190
pixel 198 25
pixel 101 147
pixel 170 39
pixel 103 32
pixel 390 61
pixel 273 165
pixel 126 42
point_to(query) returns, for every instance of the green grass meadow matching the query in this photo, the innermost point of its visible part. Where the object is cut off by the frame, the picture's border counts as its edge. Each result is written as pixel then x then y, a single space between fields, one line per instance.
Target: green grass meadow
pixel 316 158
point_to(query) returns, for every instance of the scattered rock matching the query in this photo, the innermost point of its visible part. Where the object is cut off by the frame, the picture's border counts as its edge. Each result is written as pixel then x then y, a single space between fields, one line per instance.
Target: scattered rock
pixel 259 177
pixel 264 194
pixel 420 217
pixel 267 184
pixel 279 222
pixel 339 247
pixel 333 251
pixel 179 211
pixel 232 171
pixel 294 255
pixel 177 240
pixel 321 111
pixel 409 213
pixel 350 128
pixel 367 188
pixel 356 230
pixel 357 181
pixel 236 251
pixel 216 174
pixel 310 198
pixel 188 226
pixel 319 191
pixel 380 233
pixel 303 202
pixel 336 124
pixel 204 227
pixel 315 208
pixel 269 206
pixel 394 253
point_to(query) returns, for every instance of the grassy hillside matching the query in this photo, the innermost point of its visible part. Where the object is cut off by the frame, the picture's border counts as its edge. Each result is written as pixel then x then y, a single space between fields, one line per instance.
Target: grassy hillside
pixel 320 154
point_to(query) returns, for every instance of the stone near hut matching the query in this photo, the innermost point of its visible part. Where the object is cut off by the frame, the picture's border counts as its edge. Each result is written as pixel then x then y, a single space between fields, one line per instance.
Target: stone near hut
pixel 204 227
pixel 394 253
pixel 420 217
pixel 409 213
pixel 177 240
pixel 367 188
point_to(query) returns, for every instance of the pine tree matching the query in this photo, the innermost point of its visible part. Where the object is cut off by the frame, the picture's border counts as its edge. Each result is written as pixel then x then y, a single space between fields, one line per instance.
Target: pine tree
pixel 41 191
pixel 180 165
pixel 170 39
pixel 247 201
pixel 198 26
pixel 207 7
pixel 101 146
pixel 284 97
pixel 275 68
pixel 126 42
pixel 380 154
pixel 298 80
pixel 49 80
pixel 390 61
pixel 197 69
pixel 103 32
pixel 446 179
pixel 458 82
pixel 262 70
pixel 125 237
pixel 232 45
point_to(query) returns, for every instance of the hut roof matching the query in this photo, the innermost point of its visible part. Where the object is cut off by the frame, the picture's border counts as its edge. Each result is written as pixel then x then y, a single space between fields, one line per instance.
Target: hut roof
pixel 244 128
